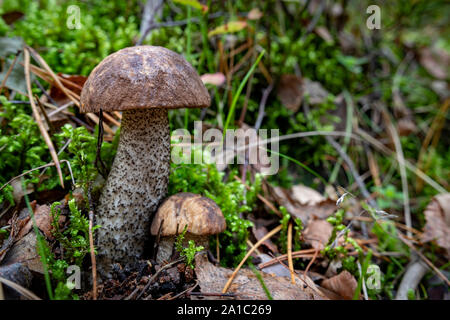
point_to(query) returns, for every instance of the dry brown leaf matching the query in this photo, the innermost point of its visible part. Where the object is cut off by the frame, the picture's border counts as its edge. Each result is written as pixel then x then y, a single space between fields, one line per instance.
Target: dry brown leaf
pixel 437 227
pixel 247 286
pixel 75 86
pixel 306 195
pixel 43 222
pixel 25 251
pixel 259 233
pixel 290 91
pixel 406 126
pixel 12 16
pixel 344 284
pixel 318 233
pixel 304 204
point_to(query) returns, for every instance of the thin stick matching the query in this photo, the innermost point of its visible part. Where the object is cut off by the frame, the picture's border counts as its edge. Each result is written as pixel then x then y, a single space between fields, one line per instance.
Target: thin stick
pixel 47 119
pixel 187 291
pixel 295 254
pixel 311 262
pixel 39 168
pixel 428 262
pixel 289 252
pixel 93 262
pixel 401 160
pixel 111 119
pixel 44 132
pixel 51 73
pixel 267 236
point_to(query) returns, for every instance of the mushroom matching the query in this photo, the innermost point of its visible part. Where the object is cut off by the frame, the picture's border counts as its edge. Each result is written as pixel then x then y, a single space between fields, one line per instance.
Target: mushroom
pixel 201 215
pixel 143 82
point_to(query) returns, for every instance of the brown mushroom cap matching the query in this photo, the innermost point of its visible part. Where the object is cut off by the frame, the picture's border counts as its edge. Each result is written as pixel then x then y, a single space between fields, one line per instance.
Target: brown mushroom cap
pixel 143 77
pixel 202 216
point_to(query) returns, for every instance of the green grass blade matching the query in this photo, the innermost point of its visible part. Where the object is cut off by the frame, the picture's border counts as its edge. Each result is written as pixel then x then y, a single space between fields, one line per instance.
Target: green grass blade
pixel 238 93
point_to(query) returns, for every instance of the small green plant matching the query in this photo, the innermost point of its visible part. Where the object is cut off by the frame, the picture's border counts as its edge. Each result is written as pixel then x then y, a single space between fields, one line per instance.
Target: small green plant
pixel 230 195
pixel 74 241
pixel 187 252
pixel 21 147
pixel 82 152
pixel 389 197
pixel 335 250
pixel 298 227
pixel 75 238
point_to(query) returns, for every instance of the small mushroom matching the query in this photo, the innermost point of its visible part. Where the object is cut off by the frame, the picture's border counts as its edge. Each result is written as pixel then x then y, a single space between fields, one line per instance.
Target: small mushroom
pixel 143 82
pixel 202 216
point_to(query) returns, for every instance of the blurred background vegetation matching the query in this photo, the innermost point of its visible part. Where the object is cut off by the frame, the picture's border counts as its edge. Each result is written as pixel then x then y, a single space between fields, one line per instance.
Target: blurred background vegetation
pixel 322 70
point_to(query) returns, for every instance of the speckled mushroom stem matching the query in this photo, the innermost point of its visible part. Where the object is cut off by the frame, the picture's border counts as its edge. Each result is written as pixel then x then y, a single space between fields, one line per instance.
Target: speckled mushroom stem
pixel 135 187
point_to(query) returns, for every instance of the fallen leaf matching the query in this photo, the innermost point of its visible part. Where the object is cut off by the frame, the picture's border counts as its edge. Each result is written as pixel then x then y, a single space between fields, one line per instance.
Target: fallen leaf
pixel 12 16
pixel 76 86
pixel 275 269
pixel 43 221
pixel 437 227
pixel 25 251
pixel 10 46
pixel 344 284
pixel 306 196
pixel 303 206
pixel 317 233
pixel 230 27
pixel 16 79
pixel 259 233
pixel 193 3
pixel 406 126
pixel 290 91
pixel 216 79
pixel 246 285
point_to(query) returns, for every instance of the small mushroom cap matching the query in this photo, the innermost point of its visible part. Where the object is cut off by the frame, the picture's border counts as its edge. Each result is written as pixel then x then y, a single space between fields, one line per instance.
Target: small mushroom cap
pixel 202 216
pixel 143 77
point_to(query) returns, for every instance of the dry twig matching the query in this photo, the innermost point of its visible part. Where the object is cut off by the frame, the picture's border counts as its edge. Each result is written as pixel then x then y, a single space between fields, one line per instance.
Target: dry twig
pixel 93 262
pixel 44 132
pixel 289 252
pixel 267 236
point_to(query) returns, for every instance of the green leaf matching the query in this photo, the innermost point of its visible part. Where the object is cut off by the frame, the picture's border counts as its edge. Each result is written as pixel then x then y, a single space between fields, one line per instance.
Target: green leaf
pixel 230 27
pixel 192 3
